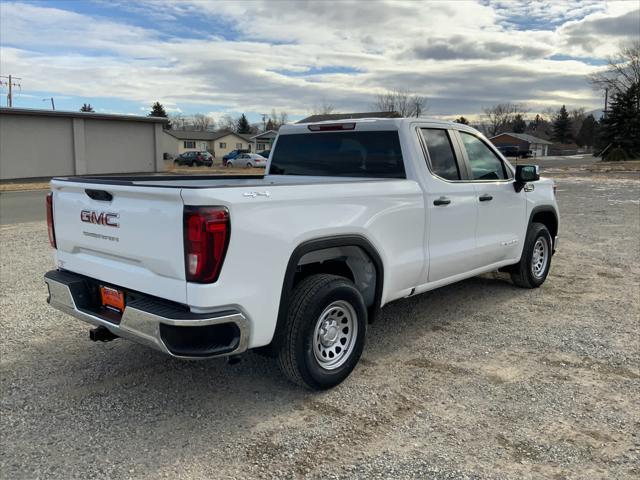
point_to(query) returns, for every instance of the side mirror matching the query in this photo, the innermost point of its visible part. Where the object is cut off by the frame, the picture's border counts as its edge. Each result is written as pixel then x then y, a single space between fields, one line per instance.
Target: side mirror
pixel 526 174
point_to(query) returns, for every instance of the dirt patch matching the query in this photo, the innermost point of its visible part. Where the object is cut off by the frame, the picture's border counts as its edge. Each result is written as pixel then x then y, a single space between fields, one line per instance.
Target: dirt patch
pixel 605 167
pixel 539 383
pixel 16 187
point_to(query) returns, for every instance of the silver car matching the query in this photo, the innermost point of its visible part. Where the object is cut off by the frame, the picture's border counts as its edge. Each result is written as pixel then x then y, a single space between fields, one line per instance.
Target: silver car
pixel 248 160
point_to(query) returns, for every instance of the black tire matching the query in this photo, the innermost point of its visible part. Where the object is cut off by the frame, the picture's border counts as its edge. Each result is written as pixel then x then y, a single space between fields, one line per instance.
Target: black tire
pixel 296 357
pixel 522 273
pixel 193 164
pixel 248 165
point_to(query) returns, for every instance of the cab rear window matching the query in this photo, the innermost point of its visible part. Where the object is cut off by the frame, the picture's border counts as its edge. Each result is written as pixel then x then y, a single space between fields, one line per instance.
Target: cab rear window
pixel 339 154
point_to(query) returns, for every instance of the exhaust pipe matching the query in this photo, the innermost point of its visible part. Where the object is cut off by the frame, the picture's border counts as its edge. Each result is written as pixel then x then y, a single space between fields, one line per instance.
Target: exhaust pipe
pixel 101 334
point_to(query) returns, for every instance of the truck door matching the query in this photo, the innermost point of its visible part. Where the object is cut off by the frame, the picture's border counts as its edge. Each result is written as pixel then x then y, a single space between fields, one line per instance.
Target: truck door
pixel 452 208
pixel 501 210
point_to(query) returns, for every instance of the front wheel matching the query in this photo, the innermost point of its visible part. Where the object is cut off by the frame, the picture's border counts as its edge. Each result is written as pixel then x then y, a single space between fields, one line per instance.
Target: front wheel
pixel 534 265
pixel 324 332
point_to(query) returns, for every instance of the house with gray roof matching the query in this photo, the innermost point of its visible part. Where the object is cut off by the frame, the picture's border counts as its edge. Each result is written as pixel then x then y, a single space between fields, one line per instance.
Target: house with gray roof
pixel 539 147
pixel 217 143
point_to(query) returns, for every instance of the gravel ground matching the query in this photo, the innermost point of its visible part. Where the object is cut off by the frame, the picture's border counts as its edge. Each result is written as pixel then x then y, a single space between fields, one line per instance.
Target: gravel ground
pixel 475 380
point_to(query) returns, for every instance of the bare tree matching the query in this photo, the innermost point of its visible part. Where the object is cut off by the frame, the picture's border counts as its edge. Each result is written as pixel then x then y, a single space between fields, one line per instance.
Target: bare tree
pixel 324 108
pixel 406 103
pixel 227 122
pixel 577 116
pixel 498 118
pixel 275 120
pixel 283 118
pixel 177 121
pixel 622 72
pixel 203 122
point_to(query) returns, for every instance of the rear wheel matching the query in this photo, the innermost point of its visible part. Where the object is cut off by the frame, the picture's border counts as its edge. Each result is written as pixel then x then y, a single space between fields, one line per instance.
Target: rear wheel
pixel 534 265
pixel 248 165
pixel 193 163
pixel 325 331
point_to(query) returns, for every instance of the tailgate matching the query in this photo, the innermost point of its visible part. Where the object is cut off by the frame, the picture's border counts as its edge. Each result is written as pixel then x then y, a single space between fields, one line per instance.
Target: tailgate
pixel 131 236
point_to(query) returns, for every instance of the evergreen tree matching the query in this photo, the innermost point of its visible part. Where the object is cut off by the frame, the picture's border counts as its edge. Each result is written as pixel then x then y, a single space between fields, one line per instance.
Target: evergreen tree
pixel 588 132
pixel 157 110
pixel 562 126
pixel 243 125
pixel 86 107
pixel 271 125
pixel 621 125
pixel 462 120
pixel 519 125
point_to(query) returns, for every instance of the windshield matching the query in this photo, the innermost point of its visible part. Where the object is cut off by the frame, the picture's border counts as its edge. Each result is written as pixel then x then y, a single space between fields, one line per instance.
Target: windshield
pixel 339 154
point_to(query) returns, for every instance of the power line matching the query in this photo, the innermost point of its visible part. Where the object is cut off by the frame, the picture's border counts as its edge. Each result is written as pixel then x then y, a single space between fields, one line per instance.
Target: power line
pixel 10 83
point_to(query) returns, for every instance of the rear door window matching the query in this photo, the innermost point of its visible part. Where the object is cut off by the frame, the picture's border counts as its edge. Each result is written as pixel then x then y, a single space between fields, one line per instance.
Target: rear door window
pixel 374 154
pixel 442 158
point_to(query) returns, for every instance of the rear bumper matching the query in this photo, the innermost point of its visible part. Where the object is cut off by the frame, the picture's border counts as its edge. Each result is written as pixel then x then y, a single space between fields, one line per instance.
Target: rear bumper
pixel 165 326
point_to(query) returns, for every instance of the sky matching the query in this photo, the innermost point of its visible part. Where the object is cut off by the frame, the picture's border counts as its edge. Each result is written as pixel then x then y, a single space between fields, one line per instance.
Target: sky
pixel 219 58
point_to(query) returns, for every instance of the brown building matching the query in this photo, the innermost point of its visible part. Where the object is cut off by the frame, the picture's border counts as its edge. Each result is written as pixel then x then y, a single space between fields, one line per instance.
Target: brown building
pixel 524 142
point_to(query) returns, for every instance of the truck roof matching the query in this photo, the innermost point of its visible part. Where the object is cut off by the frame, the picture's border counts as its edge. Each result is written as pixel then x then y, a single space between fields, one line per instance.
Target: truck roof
pixel 368 123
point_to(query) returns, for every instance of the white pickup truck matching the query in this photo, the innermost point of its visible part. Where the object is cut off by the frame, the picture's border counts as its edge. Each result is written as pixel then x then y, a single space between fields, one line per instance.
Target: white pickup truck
pixel 349 217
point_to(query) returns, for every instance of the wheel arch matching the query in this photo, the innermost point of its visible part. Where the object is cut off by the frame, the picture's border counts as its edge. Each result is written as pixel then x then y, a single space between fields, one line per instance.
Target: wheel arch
pixel 317 246
pixel 547 215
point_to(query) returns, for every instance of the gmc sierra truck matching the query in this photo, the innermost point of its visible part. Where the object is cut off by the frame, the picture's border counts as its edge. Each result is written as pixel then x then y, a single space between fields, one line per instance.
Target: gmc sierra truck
pixel 349 216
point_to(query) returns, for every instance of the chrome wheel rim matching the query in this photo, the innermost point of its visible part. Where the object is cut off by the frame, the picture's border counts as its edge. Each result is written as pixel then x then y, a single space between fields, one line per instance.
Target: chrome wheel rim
pixel 335 334
pixel 540 257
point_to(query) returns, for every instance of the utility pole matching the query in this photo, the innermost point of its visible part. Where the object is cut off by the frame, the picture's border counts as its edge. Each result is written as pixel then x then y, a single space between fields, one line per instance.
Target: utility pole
pixel 53 105
pixel 10 83
pixel 264 122
pixel 606 99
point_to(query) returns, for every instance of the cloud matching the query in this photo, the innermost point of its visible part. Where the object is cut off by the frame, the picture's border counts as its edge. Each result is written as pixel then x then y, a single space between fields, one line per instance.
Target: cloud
pixel 460 48
pixel 591 34
pixel 291 55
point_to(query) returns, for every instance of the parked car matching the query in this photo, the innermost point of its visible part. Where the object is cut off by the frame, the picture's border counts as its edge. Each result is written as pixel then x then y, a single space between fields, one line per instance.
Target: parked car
pixel 207 155
pixel 514 151
pixel 349 217
pixel 247 160
pixel 232 154
pixel 508 150
pixel 265 153
pixel 193 159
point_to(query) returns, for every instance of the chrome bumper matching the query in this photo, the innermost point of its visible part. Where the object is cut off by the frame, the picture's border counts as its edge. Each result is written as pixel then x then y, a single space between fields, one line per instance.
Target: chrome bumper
pixel 141 325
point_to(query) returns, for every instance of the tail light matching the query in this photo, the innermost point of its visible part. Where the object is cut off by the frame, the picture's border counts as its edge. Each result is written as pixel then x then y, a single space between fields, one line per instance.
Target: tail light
pixel 206 236
pixel 50 228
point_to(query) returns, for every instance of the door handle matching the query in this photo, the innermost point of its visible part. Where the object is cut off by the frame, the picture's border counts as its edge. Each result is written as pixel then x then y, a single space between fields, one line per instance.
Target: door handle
pixel 442 201
pixel 485 198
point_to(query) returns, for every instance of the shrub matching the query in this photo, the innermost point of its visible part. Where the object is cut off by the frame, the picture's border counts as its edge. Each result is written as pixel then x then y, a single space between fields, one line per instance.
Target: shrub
pixel 616 155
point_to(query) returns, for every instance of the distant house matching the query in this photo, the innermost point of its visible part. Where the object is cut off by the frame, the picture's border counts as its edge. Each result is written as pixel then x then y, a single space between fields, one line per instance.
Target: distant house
pixel 263 141
pixel 348 116
pixel 218 143
pixel 538 146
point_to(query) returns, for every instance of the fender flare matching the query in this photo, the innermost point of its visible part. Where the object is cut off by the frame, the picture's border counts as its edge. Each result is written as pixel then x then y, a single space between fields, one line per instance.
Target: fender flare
pixel 321 244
